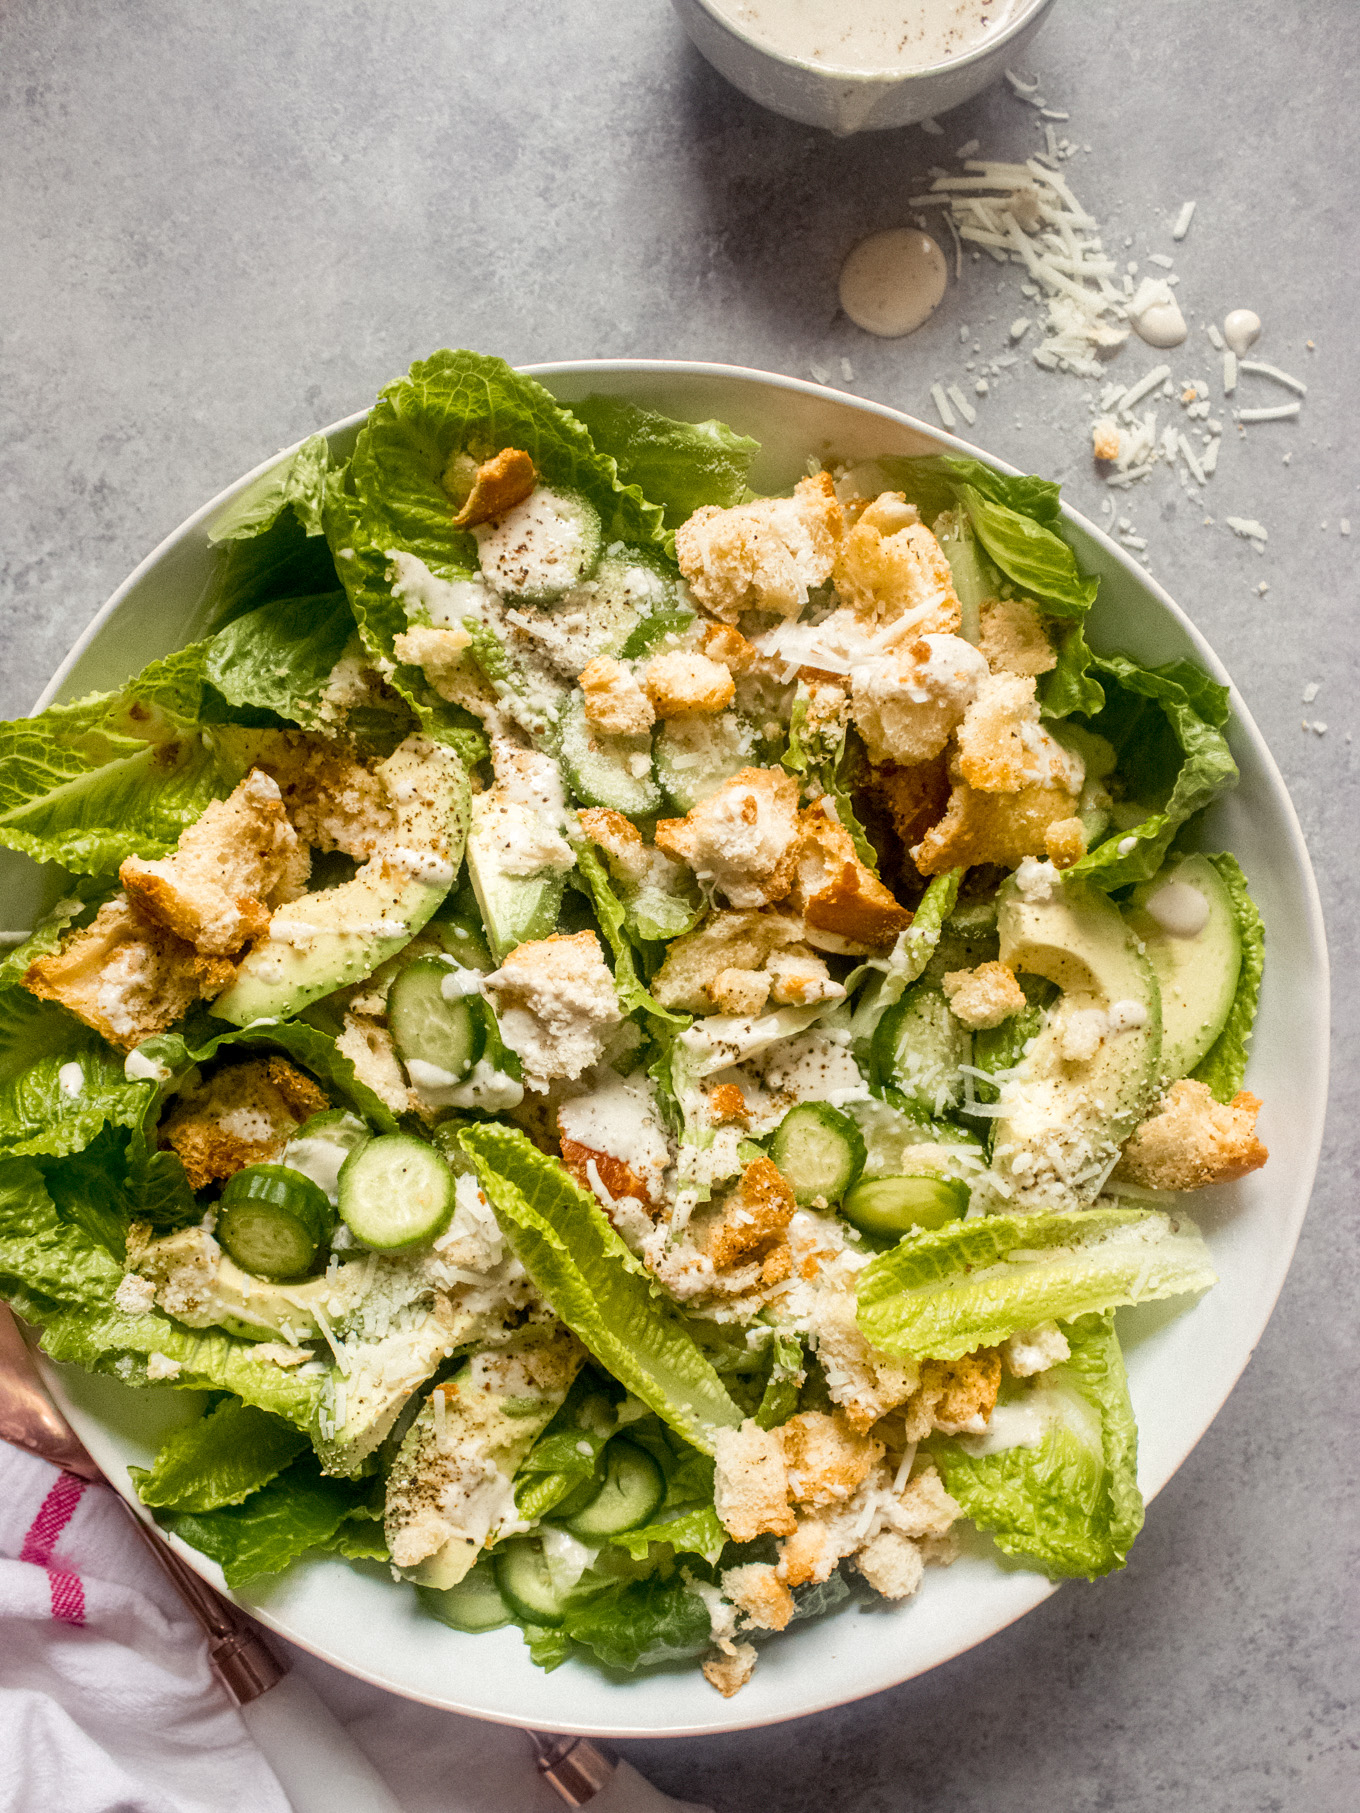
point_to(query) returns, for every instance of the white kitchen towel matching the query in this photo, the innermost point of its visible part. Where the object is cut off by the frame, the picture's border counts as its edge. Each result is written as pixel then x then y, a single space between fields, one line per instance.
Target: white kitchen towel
pixel 108 1705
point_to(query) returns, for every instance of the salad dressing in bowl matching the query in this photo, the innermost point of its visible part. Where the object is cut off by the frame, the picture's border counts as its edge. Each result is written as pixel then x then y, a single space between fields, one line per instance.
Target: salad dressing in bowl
pixel 872 37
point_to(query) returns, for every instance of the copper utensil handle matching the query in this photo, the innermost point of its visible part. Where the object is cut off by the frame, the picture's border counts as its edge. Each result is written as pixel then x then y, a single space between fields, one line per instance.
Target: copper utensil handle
pixel 574 1766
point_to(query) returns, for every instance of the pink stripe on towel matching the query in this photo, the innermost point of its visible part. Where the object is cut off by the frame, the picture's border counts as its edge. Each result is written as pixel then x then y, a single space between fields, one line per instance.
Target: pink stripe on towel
pixel 55 1512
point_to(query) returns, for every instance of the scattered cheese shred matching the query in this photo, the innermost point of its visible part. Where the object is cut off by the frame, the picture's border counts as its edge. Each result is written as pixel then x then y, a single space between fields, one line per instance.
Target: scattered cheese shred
pixel 1262 370
pixel 1248 528
pixel 1280 413
pixel 1183 219
pixel 941 402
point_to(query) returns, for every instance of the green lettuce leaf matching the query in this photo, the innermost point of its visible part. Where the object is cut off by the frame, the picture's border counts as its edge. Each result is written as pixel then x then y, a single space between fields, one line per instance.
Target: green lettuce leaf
pixel 270 539
pixel 943 1293
pixel 602 1292
pixel 1071 1505
pixel 1164 724
pixel 60 1082
pixel 280 657
pixel 298 482
pixel 300 1510
pixel 679 465
pixel 1070 686
pixel 639 1623
pixel 1224 1066
pixel 613 920
pixel 693 1531
pixel 84 895
pixel 219 1460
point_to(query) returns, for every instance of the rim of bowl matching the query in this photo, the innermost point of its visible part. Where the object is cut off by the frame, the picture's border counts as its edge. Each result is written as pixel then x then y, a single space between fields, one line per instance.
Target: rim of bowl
pixel 1297 852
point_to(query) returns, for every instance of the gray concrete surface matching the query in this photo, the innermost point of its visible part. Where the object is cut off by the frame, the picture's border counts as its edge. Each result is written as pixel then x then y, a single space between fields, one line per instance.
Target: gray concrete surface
pixel 226 225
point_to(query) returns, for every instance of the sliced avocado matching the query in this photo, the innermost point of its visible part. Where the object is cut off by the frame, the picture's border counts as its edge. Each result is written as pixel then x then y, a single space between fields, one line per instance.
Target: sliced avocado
pixel 1065 1117
pixel 1196 951
pixel 330 939
pixel 451 1488
pixel 515 908
pixel 221 1295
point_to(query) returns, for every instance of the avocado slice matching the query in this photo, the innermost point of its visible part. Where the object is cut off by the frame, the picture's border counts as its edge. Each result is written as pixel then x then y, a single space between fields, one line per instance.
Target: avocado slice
pixel 335 937
pixel 515 908
pixel 1195 948
pixel 1089 1074
pixel 451 1488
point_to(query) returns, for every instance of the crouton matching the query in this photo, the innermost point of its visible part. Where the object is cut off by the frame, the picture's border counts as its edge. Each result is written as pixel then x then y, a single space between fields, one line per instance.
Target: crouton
pixel 1013 640
pixel 750 1488
pixel 555 1001
pixel 892 1564
pixel 983 997
pixel 486 491
pixel 799 976
pixel 740 991
pixel 1031 1350
pixel 294 873
pixel 907 703
pixel 762 556
pixel 743 839
pixel 1000 828
pixel 916 797
pixel 615 703
pixel 1003 746
pixel 243 1116
pixel 682 682
pixel 332 799
pixel 126 976
pixel 891 566
pixel 1105 438
pixel 1194 1140
pixel 776 1266
pixel 924 1508
pixel 759 1594
pixel 865 1383
pixel 442 656
pixel 826 1458
pixel 211 889
pixel 729 1669
pixel 725 940
pixel 754 1218
pixel 369 1046
pixel 955 1396
pixel 727 1103
pixel 629 859
pixel 720 642
pixel 810 1554
pixel 1065 842
pixel 844 905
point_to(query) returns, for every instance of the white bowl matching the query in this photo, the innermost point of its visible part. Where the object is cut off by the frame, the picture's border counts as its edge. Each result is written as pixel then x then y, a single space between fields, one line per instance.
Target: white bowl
pixel 1183 1361
pixel 845 100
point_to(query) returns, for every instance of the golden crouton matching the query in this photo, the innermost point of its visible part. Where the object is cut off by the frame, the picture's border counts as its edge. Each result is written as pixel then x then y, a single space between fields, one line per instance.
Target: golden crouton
pixel 1013 638
pixel 683 681
pixel 724 941
pixel 827 1460
pixel 759 1594
pixel 762 556
pixel 892 1564
pixel 490 489
pixel 126 976
pixel 740 991
pixel 743 839
pixel 924 1508
pixel 750 1488
pixel 720 642
pixel 729 1669
pixel 1105 439
pixel 799 976
pixel 907 704
pixel 991 828
pixel 1193 1141
pixel 863 1382
pixel 628 858
pixel 243 1116
pixel 615 703
pixel 891 564
pixel 211 889
pixel 837 894
pixel 555 1000
pixel 332 799
pixel 442 656
pixel 955 1396
pixel 369 1046
pixel 810 1554
pixel 1003 746
pixel 727 1103
pixel 984 996
pixel 1065 842
pixel 616 1174
pixel 776 1266
pixel 754 1216
pixel 916 797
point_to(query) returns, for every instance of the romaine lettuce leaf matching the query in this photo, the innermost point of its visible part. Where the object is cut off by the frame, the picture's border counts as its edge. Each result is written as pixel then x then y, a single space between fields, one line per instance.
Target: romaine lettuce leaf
pixel 1164 725
pixel 298 1511
pixel 639 1623
pixel 679 465
pixel 298 482
pixel 219 1460
pixel 602 1292
pixel 280 657
pixel 1070 1505
pixel 613 919
pixel 943 1293
pixel 1224 1065
pixel 59 1081
pixel 694 1531
pixel 1070 686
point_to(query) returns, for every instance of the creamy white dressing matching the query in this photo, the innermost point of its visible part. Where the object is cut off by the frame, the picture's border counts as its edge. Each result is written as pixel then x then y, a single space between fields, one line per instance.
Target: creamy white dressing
pixel 1241 330
pixel 445 602
pixel 893 281
pixel 71 1079
pixel 619 1120
pixel 320 1155
pixel 1156 315
pixel 485 1087
pixel 1179 909
pixel 872 37
pixel 460 982
pixel 138 1068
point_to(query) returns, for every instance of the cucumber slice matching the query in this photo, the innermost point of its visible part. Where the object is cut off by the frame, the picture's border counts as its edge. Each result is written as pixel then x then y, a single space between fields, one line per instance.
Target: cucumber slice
pixel 272 1220
pixel 541 548
pixel 395 1192
pixel 450 1034
pixel 696 753
pixel 630 1495
pixel 892 1206
pixel 917 1048
pixel 525 1584
pixel 819 1150
pixel 600 770
pixel 475 1604
pixel 464 940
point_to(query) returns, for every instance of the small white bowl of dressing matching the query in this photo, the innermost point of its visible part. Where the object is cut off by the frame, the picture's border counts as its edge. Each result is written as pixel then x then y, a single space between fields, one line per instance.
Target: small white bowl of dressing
pixel 861 65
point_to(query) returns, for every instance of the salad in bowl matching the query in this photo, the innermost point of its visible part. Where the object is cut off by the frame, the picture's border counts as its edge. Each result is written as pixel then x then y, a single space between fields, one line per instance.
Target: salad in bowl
pixel 627 1038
